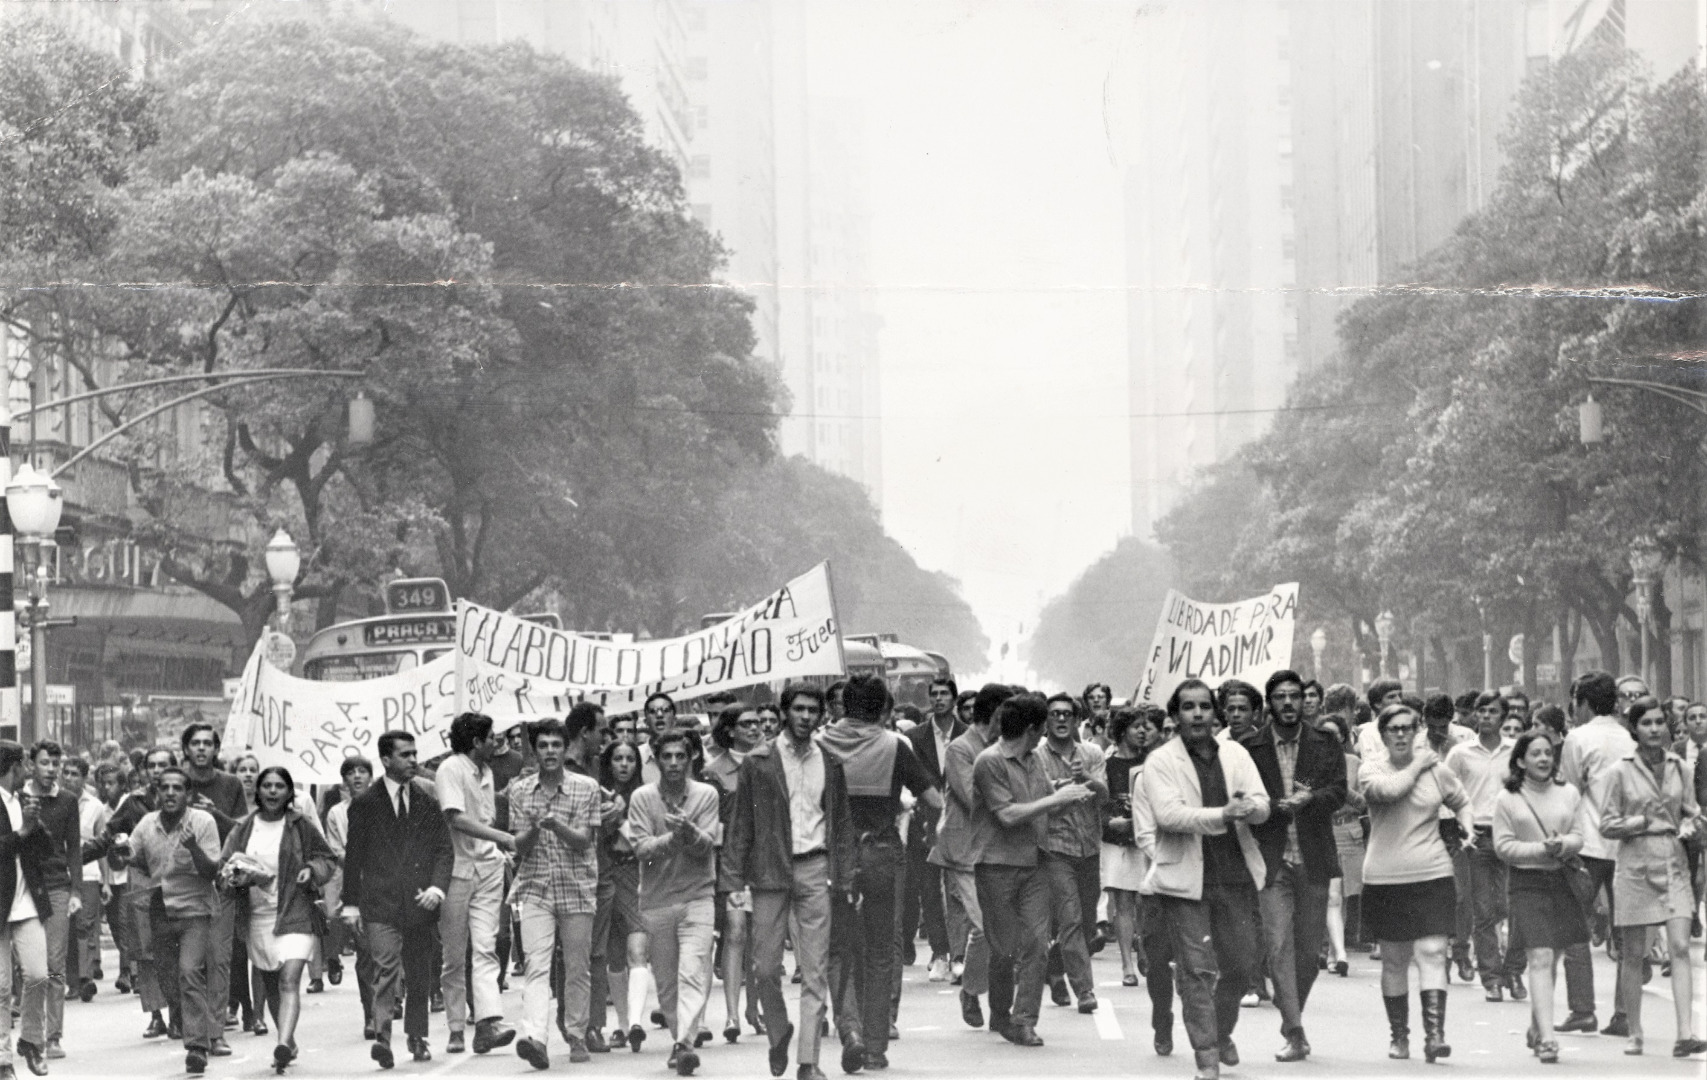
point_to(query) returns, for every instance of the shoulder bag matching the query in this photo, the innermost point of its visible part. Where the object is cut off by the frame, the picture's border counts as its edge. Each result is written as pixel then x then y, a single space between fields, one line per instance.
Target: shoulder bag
pixel 1577 877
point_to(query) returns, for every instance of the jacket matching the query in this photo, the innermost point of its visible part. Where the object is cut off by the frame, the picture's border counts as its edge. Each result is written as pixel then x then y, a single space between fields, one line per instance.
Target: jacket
pixel 1321 765
pixel 387 861
pixel 27 850
pixel 963 830
pixel 758 847
pixel 1176 799
pixel 302 845
pixel 922 827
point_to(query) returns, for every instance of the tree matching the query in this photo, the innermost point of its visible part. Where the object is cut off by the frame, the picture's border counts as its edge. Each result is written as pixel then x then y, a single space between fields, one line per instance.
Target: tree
pixel 1100 629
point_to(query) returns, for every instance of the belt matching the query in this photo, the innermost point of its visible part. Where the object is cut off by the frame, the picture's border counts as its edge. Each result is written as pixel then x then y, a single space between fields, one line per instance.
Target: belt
pixel 813 854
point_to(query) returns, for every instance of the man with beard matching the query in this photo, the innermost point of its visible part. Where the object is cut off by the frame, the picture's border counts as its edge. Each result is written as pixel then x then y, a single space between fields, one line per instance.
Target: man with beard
pixel 1303 773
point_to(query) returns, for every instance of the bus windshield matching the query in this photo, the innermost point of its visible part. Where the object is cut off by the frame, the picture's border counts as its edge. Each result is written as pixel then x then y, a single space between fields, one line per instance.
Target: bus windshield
pixel 359 667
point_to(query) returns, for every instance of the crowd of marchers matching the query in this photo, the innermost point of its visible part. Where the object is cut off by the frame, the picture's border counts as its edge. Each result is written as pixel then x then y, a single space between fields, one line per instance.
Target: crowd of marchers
pixel 1239 840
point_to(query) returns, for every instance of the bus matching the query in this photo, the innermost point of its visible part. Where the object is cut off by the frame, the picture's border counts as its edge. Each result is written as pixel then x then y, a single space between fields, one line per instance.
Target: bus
pixel 908 670
pixel 419 626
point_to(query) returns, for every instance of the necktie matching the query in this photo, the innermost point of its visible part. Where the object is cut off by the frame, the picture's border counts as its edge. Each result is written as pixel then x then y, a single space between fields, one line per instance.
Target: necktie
pixel 402 803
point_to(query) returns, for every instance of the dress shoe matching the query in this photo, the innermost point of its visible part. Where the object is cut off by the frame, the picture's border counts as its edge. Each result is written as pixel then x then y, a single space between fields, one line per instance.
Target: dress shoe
pixel 1163 1044
pixel 1466 973
pixel 418 1048
pixel 1514 983
pixel 1058 991
pixel 658 1020
pixel 1585 1022
pixel 970 1010
pixel 334 973
pixel 876 1061
pixel 998 1024
pixel 86 992
pixel 578 1052
pixel 1547 1053
pixel 457 1043
pixel 686 1060
pixel 618 1040
pixel 779 1051
pixel 1495 992
pixel 1341 968
pixel 1294 1050
pixel 533 1052
pixel 596 1042
pixel 636 1036
pixel 1088 1004
pixel 1688 1047
pixel 282 1057
pixel 369 1032
pixel 732 1034
pixel 32 1055
pixel 259 1027
pixel 1021 1035
pixel 219 1048
pixel 54 1052
pixel 675 1056
pixel 1228 1053
pixel 435 1001
pixel 810 1072
pixel 316 986
pixel 1618 1027
pixel 195 1062
pixel 700 1038
pixel 381 1053
pixel 174 1030
pixel 894 1032
pixel 492 1033
pixel 121 985
pixel 853 1055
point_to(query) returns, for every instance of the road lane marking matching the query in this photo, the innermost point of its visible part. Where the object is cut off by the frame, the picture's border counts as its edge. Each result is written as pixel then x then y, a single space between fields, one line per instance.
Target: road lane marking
pixel 1108 1028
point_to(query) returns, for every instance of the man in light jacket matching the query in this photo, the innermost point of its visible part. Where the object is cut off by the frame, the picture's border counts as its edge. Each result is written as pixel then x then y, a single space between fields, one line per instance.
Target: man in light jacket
pixel 1205 796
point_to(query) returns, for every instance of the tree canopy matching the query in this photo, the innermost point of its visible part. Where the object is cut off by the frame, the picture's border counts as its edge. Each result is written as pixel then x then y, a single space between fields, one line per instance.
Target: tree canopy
pixel 1100 629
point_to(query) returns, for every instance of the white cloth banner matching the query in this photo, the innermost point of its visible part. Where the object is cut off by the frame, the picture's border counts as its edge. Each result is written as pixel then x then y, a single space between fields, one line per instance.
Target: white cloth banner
pixel 510 667
pixel 513 670
pixel 1249 640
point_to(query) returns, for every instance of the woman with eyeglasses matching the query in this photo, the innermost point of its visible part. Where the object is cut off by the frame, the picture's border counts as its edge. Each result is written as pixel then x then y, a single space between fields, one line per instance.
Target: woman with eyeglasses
pixel 1409 898
pixel 737 731
pixel 1535 832
pixel 1650 808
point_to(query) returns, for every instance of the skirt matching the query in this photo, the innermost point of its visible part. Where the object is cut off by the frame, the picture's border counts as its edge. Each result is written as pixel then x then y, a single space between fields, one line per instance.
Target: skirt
pixel 1542 911
pixel 1651 883
pixel 1415 909
pixel 268 951
pixel 1122 867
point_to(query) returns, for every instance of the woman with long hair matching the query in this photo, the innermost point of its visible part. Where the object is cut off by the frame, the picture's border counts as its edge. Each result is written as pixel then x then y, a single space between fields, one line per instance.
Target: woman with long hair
pixel 1535 833
pixel 1651 810
pixel 275 862
pixel 245 983
pixel 1348 839
pixel 1409 898
pixel 619 886
pixel 1131 732
pixel 736 732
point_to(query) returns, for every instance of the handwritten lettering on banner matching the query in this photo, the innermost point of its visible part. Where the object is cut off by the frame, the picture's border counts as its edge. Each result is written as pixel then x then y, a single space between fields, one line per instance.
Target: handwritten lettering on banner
pixel 511 667
pixel 1248 640
pixel 310 727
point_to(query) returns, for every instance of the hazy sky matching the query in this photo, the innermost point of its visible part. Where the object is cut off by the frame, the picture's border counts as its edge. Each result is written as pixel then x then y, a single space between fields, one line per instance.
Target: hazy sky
pixel 997 247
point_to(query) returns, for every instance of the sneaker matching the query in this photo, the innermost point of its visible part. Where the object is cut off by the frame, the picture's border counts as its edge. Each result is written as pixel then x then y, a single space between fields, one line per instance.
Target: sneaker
pixel 939 970
pixel 1250 1001
pixel 53 1051
pixel 957 971
pixel 533 1052
pixel 578 1052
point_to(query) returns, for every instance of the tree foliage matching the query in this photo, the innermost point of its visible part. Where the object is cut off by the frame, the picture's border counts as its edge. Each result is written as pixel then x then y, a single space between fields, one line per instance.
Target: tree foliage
pixel 1100 629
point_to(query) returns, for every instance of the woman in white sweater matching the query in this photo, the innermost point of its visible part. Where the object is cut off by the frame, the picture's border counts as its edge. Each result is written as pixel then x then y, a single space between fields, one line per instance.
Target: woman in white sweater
pixel 1535 830
pixel 1409 898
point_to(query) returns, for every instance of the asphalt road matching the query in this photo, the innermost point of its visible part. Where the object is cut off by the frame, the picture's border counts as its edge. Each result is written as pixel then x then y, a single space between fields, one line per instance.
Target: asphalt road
pixel 1345 1022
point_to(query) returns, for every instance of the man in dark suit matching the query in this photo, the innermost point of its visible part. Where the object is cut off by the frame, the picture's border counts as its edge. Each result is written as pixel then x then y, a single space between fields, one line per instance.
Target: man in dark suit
pixel 1303 771
pixel 397 865
pixel 924 882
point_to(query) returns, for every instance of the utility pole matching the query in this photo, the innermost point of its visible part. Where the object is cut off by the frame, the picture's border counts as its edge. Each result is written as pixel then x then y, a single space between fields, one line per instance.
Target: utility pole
pixel 10 711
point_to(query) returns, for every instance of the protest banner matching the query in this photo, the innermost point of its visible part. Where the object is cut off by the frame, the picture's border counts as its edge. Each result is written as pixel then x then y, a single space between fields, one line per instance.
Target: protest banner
pixel 310 727
pixel 511 668
pixel 1248 640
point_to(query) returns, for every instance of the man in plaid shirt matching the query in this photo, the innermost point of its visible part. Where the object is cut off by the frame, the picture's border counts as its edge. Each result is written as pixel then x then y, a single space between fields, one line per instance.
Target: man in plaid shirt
pixel 555 814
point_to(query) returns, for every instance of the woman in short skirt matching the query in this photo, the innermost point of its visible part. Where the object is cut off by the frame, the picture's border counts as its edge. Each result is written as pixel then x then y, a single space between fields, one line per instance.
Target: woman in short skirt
pixel 1409 899
pixel 1131 731
pixel 277 862
pixel 1535 828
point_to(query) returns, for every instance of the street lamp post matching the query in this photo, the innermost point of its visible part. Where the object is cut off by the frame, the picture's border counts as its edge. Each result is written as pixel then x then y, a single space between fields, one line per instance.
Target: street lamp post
pixel 1318 646
pixel 1646 559
pixel 34 503
pixel 1384 633
pixel 283 564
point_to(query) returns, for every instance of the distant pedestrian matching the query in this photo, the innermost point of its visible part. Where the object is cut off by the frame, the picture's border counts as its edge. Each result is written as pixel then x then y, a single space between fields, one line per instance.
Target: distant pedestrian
pixel 23 897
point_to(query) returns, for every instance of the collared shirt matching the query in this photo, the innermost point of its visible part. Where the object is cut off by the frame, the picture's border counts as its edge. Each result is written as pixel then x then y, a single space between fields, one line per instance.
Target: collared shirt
pixel 23 905
pixel 1286 753
pixel 1591 752
pixel 1223 862
pixel 92 815
pixel 942 739
pixel 466 787
pixel 803 770
pixel 1010 778
pixel 165 861
pixel 1077 830
pixel 392 790
pixel 338 828
pixel 1483 773
pixel 553 873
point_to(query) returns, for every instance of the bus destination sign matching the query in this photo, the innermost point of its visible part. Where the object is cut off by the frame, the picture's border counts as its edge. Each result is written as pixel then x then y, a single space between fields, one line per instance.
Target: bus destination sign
pixel 412 596
pixel 415 631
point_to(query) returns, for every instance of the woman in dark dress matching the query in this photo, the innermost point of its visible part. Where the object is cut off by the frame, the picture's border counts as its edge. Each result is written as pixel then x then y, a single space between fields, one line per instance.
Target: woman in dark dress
pixel 1131 732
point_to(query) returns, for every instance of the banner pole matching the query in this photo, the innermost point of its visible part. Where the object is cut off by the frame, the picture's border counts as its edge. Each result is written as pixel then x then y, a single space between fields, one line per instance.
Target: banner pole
pixel 836 614
pixel 459 700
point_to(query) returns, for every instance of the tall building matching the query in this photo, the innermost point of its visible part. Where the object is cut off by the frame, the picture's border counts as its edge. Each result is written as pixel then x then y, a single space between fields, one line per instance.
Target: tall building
pixel 1285 157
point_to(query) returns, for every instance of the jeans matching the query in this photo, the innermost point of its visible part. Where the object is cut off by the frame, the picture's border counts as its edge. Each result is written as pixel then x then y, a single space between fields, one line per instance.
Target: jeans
pixel 1487 890
pixel 543 928
pixel 23 944
pixel 923 901
pixel 1155 935
pixel 802 913
pixel 399 954
pixel 680 937
pixel 1215 958
pixel 86 933
pixel 139 916
pixel 184 955
pixel 862 944
pixel 118 921
pixel 1074 883
pixel 468 931
pixel 598 975
pixel 1015 901
pixel 966 925
pixel 44 1003
pixel 1294 913
pixel 223 927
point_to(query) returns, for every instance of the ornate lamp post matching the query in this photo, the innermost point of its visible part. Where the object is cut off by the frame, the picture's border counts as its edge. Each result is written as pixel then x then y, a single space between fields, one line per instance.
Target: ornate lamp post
pixel 283 564
pixel 34 502
pixel 1318 646
pixel 1384 633
pixel 1646 560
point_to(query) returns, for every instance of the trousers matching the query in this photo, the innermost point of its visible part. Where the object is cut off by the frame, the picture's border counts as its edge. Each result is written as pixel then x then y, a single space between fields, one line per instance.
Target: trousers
pixel 1215 958
pixel 184 955
pixel 923 903
pixel 802 914
pixel 543 929
pixel 960 888
pixel 862 944
pixel 1487 888
pixel 44 1002
pixel 1074 885
pixel 1015 902
pixel 399 954
pixel 468 932
pixel 1294 913
pixel 680 940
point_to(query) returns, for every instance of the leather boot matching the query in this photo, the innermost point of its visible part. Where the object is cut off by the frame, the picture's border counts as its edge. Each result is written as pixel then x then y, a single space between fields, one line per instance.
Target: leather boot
pixel 1399 1023
pixel 1434 1025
